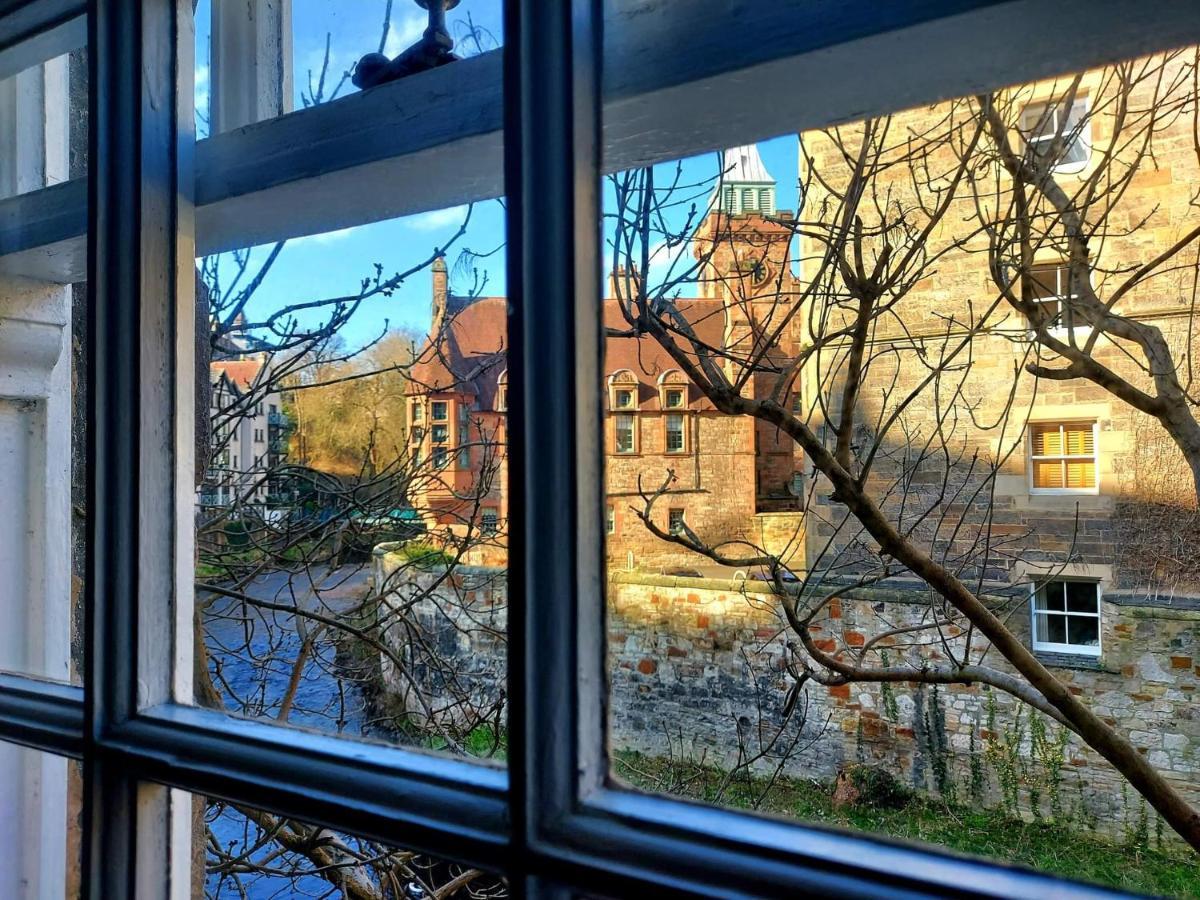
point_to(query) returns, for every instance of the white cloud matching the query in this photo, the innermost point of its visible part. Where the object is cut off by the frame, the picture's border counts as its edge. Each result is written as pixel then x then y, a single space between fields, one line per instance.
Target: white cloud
pixel 405 33
pixel 328 237
pixel 439 218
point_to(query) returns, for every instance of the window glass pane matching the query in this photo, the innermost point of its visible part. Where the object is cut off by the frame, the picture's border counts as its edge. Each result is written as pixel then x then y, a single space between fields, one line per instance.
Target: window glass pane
pixel 1081 597
pixel 1043 282
pixel 43 364
pixel 1048 473
pixel 1081 474
pixel 805 647
pixel 1047 440
pixel 1052 629
pixel 351 528
pixel 44 123
pixel 1083 631
pixel 249 853
pixel 41 802
pixel 1050 596
pixel 674 433
pixel 316 45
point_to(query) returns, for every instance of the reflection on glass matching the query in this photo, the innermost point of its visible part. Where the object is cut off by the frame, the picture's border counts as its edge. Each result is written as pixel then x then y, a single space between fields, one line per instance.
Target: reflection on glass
pixel 912 499
pixel 351 517
pixel 315 47
pixel 254 855
pixel 40 808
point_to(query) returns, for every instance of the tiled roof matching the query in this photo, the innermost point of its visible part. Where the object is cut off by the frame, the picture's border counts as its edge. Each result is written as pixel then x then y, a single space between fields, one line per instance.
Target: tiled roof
pixel 471 355
pixel 241 372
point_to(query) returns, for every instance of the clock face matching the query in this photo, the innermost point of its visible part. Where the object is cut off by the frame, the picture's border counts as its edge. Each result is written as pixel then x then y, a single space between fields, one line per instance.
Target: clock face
pixel 760 273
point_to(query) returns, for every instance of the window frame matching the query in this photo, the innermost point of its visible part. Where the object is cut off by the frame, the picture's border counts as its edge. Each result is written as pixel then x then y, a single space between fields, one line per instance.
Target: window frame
pixel 1031 458
pixel 683 448
pixel 554 821
pixel 1041 646
pixel 1083 139
pixel 632 418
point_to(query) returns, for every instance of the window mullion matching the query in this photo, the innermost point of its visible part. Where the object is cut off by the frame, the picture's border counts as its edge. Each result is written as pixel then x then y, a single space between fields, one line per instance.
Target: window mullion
pixel 139 248
pixel 556 627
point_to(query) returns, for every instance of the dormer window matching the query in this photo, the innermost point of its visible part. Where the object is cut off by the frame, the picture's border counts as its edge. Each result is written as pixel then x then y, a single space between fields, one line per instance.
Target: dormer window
pixel 623 391
pixel 672 390
pixel 502 392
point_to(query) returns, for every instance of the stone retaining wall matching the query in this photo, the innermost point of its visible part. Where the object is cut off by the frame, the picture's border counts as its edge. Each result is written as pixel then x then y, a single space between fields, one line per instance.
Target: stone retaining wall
pixel 700 671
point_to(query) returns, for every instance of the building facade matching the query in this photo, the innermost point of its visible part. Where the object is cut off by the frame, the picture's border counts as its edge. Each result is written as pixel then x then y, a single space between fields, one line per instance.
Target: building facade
pixel 722 475
pixel 249 435
pixel 1066 508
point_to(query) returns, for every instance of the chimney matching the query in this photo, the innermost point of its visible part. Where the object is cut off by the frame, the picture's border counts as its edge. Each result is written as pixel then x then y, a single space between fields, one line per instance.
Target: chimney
pixel 441 297
pixel 622 283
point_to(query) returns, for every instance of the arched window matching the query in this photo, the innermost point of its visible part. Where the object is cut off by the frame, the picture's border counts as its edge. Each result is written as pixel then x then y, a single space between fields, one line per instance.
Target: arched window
pixel 502 392
pixel 623 391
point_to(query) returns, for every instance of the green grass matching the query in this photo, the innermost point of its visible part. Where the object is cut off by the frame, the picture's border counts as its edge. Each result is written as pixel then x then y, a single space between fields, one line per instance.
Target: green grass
pixel 1051 848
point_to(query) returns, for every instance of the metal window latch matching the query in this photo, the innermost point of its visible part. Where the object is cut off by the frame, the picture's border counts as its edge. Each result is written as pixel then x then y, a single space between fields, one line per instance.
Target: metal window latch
pixel 432 50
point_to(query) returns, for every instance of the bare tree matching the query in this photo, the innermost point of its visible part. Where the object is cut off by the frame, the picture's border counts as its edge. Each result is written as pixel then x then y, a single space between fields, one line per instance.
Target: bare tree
pixel 892 389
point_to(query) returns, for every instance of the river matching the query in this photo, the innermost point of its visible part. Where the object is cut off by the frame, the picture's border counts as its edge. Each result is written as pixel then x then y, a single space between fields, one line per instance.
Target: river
pixel 252 654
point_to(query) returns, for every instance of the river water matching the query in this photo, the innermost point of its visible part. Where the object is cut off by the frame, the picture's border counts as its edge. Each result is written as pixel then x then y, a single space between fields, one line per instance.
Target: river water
pixel 252 654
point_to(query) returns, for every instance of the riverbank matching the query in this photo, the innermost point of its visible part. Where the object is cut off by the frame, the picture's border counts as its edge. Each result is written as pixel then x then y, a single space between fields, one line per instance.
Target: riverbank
pixel 1145 862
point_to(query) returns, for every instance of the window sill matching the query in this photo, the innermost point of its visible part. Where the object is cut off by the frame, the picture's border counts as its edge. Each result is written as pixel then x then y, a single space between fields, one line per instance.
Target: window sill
pixel 1057 659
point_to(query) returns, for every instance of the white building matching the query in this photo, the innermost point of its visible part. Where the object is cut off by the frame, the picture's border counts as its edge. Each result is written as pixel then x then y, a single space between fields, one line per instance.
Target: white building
pixel 249 434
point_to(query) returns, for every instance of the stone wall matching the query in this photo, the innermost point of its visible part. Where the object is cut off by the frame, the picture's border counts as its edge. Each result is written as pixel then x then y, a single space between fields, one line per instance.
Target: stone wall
pixel 700 671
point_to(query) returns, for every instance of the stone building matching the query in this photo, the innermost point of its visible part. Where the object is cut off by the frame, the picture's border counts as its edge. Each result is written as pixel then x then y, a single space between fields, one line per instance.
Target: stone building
pixel 1071 512
pixel 728 477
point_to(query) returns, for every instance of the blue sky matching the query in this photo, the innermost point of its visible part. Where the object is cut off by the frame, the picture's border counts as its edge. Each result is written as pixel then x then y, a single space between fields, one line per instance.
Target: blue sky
pixel 334 264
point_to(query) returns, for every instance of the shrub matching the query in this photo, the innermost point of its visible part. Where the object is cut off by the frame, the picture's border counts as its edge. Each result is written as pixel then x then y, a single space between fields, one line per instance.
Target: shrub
pixel 878 787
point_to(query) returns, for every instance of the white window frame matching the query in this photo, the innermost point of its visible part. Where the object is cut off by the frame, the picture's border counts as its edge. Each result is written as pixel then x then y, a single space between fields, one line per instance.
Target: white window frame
pixel 1052 646
pixel 1031 458
pixel 1062 272
pixel 1082 140
pixel 263 183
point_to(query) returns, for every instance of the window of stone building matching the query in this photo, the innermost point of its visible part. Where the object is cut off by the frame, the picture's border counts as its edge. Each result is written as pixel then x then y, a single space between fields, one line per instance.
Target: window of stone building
pixel 417 412
pixel 624 398
pixel 675 520
pixel 437 410
pixel 502 392
pixel 610 519
pixel 1049 284
pixel 1044 123
pixel 673 398
pixel 625 431
pixel 675 441
pixel 489 520
pixel 1063 457
pixel 1066 617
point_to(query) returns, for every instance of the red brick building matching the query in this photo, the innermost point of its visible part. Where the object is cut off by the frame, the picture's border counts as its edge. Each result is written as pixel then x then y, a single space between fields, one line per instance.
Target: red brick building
pixel 729 476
